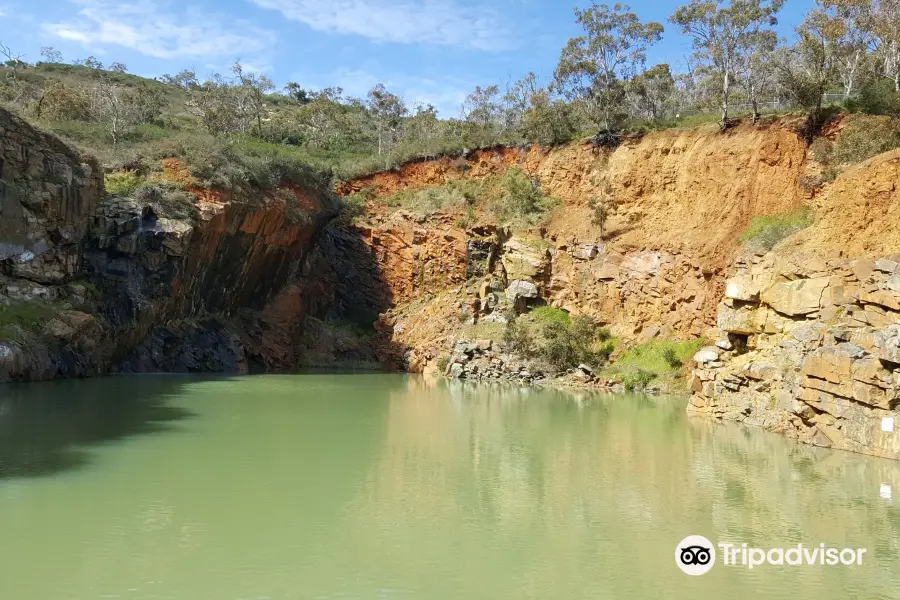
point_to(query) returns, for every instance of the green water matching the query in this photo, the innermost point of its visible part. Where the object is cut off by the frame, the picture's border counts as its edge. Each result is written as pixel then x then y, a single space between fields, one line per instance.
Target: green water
pixel 387 486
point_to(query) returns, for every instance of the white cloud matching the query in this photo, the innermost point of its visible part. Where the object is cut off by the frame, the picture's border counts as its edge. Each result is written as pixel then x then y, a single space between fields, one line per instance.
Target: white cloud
pixel 441 22
pixel 149 27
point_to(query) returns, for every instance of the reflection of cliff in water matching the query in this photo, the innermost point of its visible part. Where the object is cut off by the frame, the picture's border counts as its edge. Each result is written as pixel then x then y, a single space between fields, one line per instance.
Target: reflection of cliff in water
pixel 598 479
pixel 50 427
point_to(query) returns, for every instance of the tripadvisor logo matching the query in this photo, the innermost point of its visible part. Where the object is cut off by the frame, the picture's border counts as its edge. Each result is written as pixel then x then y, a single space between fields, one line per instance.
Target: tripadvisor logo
pixel 696 555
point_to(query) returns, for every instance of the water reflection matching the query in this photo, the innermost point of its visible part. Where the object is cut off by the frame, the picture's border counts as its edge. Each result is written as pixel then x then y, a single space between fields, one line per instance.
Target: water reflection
pixel 542 495
pixel 48 427
pixel 381 486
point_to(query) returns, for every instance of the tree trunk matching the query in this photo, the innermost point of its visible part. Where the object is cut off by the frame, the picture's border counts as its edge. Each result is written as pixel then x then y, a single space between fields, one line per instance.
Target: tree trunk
pixel 726 82
pixel 754 105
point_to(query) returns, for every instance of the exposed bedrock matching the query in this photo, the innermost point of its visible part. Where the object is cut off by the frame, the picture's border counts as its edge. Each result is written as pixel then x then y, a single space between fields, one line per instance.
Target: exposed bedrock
pixel 145 286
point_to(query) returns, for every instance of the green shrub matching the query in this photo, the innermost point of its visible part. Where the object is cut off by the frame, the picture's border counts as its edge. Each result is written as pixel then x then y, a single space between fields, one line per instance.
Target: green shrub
pixel 821 150
pixel 518 338
pixel 123 184
pixel 863 137
pixel 352 207
pixel 170 199
pixel 876 98
pixel 584 341
pixel 637 379
pixel 765 232
pixel 659 357
pixel 671 357
pixel 521 195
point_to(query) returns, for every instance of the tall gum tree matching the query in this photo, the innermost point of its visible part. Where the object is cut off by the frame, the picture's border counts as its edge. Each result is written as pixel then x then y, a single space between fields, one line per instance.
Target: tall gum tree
pixel 723 33
pixel 594 67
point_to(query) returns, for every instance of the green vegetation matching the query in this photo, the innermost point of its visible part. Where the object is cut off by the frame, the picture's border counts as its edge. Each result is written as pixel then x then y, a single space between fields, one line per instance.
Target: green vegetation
pixel 862 137
pixel 521 200
pixel 765 232
pixel 123 184
pixel 661 360
pixel 238 128
pixel 545 315
pixel 637 379
pixel 513 198
pixel 23 316
pixel 547 335
pixel 170 199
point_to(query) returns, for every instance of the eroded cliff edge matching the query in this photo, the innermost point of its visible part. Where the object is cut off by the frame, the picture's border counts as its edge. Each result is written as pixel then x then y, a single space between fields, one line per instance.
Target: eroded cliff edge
pixel 207 282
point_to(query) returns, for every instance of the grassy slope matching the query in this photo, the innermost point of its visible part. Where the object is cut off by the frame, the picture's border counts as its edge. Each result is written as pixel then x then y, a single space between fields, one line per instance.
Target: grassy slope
pixel 176 133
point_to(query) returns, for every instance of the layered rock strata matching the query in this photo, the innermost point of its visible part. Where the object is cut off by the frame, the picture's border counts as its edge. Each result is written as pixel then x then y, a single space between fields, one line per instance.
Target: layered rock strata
pixel 810 350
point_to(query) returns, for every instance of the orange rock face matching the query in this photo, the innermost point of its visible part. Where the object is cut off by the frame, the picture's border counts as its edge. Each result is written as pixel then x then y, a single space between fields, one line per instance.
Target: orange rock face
pixel 680 200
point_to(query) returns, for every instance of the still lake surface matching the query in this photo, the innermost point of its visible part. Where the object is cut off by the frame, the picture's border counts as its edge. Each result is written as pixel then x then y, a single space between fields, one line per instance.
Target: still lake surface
pixel 373 486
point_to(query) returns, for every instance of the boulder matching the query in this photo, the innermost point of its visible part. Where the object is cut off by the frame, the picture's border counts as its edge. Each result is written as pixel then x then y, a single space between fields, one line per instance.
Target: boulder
pixel 585 252
pixel 456 371
pixel 762 371
pixel 796 298
pixel 707 355
pixel 526 259
pixel 521 289
pixel 886 265
pixel 742 321
pixel 742 288
pixel 724 344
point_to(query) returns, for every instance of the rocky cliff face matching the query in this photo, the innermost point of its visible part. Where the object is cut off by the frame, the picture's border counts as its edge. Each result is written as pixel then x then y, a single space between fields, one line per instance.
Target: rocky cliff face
pixel 804 339
pixel 810 330
pixel 47 195
pixel 811 351
pixel 150 285
pixel 680 201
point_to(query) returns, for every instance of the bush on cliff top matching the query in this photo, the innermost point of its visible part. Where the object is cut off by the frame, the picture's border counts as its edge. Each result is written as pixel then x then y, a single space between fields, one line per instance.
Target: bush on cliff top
pixel 123 184
pixel 862 137
pixel 521 198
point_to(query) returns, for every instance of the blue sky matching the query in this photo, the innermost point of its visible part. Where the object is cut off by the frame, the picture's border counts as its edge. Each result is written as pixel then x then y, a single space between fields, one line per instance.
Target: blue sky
pixel 430 51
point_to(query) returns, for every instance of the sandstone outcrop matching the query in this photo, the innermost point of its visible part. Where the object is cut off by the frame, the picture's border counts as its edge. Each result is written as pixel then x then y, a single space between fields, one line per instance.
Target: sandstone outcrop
pixel 811 351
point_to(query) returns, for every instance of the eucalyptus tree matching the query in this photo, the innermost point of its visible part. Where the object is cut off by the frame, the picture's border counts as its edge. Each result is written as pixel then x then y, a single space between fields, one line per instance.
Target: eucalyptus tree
pixel 516 101
pixel 483 107
pixel 251 91
pixel 51 54
pixel 724 33
pixel 593 68
pixel 652 93
pixel 850 31
pixel 754 67
pixel 386 110
pixel 885 30
pixel 808 66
